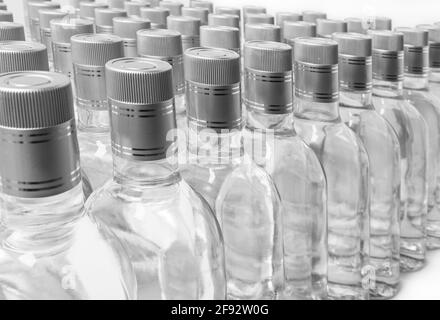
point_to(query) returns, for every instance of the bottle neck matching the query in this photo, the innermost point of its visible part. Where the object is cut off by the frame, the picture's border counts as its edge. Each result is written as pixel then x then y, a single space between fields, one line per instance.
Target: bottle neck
pixel 41 225
pixel 356 99
pixel 434 75
pixel 278 123
pixel 416 81
pixel 93 120
pixel 312 110
pixel 388 89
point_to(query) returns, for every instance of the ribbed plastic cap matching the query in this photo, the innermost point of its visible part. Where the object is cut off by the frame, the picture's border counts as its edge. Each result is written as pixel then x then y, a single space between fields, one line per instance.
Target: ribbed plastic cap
pixel 414 37
pixel 382 23
pixel 199 13
pixel 387 40
pixel 11 31
pixel 3 6
pixel 282 17
pixel 22 56
pixel 220 37
pixel 96 49
pixel 224 20
pixel 356 25
pixel 252 18
pixel 87 9
pixel 263 32
pixel 326 27
pixel 139 80
pixel 293 30
pixel 159 43
pixel 253 9
pixel 416 54
pixel 312 16
pixel 119 4
pixel 157 16
pixel 228 10
pixel 64 29
pixel 104 16
pixel 212 66
pixel 316 51
pixel 133 8
pixel 187 26
pixel 127 27
pixel 174 7
pixel 6 16
pixel 203 4
pixel 47 15
pixel 433 30
pixel 354 44
pixel 35 7
pixel 268 56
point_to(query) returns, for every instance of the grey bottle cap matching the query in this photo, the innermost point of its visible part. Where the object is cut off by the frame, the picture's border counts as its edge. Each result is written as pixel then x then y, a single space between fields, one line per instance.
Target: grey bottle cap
pixel 203 4
pixel 96 49
pixel 47 15
pixel 387 55
pixel 316 69
pixel 11 31
pixel 39 148
pixel 126 27
pixel 326 27
pixel 174 7
pixel 6 16
pixel 382 23
pixel 157 16
pixel 228 10
pixel 434 44
pixel 87 9
pixel 3 6
pixel 140 93
pixel 133 8
pixel 282 17
pixel 119 4
pixel 224 20
pixel 23 56
pixel 199 13
pixel 187 26
pixel 268 77
pixel 355 61
pixel 299 29
pixel 220 37
pixel 312 16
pixel 253 9
pixel 253 18
pixel 263 32
pixel 104 16
pixel 213 88
pixel 64 29
pixel 356 25
pixel 35 7
pixel 416 53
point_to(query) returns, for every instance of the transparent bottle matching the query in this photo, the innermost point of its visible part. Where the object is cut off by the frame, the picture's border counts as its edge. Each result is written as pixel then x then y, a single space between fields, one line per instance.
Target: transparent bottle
pixel 411 131
pixel 244 196
pixel 172 236
pixel 90 53
pixel 345 163
pixel 358 113
pixel 272 142
pixel 50 250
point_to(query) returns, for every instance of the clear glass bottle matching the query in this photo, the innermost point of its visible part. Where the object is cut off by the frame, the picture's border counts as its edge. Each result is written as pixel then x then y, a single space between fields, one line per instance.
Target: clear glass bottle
pixel 50 250
pixel 345 163
pixel 170 233
pixel 272 142
pixel 244 196
pixel 90 53
pixel 411 131
pixel 358 113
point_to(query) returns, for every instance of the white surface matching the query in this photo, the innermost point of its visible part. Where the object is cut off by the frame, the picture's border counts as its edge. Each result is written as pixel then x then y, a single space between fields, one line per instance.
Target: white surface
pixel 424 284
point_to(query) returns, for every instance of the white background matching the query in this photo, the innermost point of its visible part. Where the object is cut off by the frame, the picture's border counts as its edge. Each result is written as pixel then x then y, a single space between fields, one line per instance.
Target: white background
pixel 424 284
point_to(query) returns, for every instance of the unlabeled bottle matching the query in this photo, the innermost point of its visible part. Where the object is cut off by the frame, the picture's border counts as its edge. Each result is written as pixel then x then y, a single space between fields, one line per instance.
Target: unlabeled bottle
pixel 220 37
pixel 245 199
pixel 11 31
pixel 312 16
pixel 412 132
pixel 157 16
pixel 170 233
pixel 126 28
pixel 202 4
pixel 6 16
pixel 175 7
pixel 23 56
pixel 188 27
pixel 416 91
pixel 104 19
pixel 378 137
pixel 345 162
pixel 62 31
pixel 166 45
pixel 262 32
pixel 90 53
pixel 49 249
pixel 198 13
pixel 326 27
pixel 34 17
pixel 272 142
pixel 133 8
pixel 224 20
pixel 46 16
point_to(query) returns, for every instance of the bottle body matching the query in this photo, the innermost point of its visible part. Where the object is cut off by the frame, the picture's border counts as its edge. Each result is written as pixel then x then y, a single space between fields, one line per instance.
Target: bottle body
pixel 383 151
pixel 50 250
pixel 62 58
pixel 345 164
pixel 411 131
pixel 46 39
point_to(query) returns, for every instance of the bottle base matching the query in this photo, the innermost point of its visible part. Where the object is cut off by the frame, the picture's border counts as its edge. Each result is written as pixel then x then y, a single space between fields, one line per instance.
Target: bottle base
pixel 346 292
pixel 256 291
pixel 408 264
pixel 433 242
pixel 384 291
